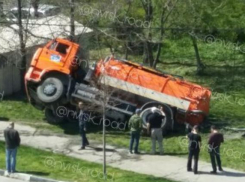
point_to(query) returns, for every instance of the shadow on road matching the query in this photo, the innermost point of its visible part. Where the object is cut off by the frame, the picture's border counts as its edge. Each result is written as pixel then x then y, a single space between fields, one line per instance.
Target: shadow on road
pixel 225 173
pixel 4 119
pixel 34 173
pixel 164 154
pixel 99 149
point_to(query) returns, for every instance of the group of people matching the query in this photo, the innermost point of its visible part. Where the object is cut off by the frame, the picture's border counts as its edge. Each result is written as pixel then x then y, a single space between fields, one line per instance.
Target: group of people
pixel 154 128
pixel 214 142
pixel 135 124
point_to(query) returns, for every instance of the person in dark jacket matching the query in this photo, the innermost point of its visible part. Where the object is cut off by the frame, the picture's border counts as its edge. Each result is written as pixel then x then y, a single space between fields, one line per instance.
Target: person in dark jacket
pixel 194 148
pixel 214 142
pixel 12 140
pixel 154 128
pixel 83 118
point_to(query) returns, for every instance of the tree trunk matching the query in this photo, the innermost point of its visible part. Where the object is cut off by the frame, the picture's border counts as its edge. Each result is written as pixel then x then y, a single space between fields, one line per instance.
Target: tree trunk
pixel 35 6
pixel 72 21
pixel 159 48
pixel 22 48
pixel 126 50
pixel 200 65
pixel 150 53
pixel 148 49
pixel 145 58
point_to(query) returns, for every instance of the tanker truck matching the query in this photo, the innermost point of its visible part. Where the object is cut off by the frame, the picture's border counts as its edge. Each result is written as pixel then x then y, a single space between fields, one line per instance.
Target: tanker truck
pixel 59 76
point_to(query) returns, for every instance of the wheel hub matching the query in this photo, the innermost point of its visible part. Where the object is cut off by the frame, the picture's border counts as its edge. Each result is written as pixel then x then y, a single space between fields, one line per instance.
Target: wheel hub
pixel 49 89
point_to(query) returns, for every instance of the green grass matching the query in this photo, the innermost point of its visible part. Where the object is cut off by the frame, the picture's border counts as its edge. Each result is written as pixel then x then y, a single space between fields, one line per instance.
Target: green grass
pixel 60 167
pixel 18 109
pixel 228 95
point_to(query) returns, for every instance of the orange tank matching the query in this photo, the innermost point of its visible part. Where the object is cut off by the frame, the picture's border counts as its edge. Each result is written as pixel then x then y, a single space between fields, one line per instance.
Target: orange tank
pixel 134 78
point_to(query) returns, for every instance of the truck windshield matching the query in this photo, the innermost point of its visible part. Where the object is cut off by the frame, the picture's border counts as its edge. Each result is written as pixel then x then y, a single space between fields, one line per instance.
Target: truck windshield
pixel 59 47
pixel 62 48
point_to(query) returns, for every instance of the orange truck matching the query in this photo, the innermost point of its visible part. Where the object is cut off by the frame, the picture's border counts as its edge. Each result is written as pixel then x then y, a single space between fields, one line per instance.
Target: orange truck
pixel 57 78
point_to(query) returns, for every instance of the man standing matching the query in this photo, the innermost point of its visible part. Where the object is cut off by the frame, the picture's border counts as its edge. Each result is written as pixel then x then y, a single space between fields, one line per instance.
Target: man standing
pixel 12 140
pixel 135 125
pixel 214 142
pixel 154 128
pixel 83 118
pixel 194 148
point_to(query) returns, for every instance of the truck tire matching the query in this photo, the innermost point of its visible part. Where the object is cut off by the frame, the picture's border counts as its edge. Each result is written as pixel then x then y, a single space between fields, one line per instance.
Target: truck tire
pixel 50 90
pixel 52 118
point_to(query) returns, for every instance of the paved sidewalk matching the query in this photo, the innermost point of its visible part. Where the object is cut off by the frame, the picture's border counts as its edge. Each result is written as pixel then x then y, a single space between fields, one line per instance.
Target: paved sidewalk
pixel 4 179
pixel 160 166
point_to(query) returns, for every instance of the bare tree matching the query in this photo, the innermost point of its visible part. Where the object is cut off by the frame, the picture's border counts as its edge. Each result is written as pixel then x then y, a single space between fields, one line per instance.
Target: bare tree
pixel 35 4
pixel 149 17
pixel 72 20
pixel 22 46
pixel 194 22
pixel 200 65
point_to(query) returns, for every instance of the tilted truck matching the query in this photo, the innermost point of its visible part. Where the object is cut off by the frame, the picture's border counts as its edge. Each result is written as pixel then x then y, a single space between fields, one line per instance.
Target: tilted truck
pixel 57 78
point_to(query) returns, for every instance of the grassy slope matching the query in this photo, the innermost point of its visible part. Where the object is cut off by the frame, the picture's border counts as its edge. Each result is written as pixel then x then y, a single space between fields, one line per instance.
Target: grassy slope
pixel 224 75
pixel 56 166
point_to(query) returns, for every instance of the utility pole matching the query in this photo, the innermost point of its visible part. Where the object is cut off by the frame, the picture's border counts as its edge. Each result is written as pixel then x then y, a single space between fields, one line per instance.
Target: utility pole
pixel 72 20
pixel 22 48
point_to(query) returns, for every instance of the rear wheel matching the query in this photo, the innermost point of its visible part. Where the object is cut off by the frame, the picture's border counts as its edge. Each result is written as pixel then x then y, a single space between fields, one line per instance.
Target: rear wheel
pixel 51 90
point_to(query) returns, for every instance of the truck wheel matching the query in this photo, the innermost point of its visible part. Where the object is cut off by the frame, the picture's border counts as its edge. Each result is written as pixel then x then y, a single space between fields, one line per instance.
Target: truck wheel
pixel 50 90
pixel 52 118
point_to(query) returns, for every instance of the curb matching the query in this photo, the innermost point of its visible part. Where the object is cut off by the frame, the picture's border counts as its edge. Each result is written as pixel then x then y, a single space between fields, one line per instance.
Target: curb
pixel 27 177
pixel 2 172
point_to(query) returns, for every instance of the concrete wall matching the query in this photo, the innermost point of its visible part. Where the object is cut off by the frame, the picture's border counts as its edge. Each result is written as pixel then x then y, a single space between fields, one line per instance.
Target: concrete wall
pixel 9 78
